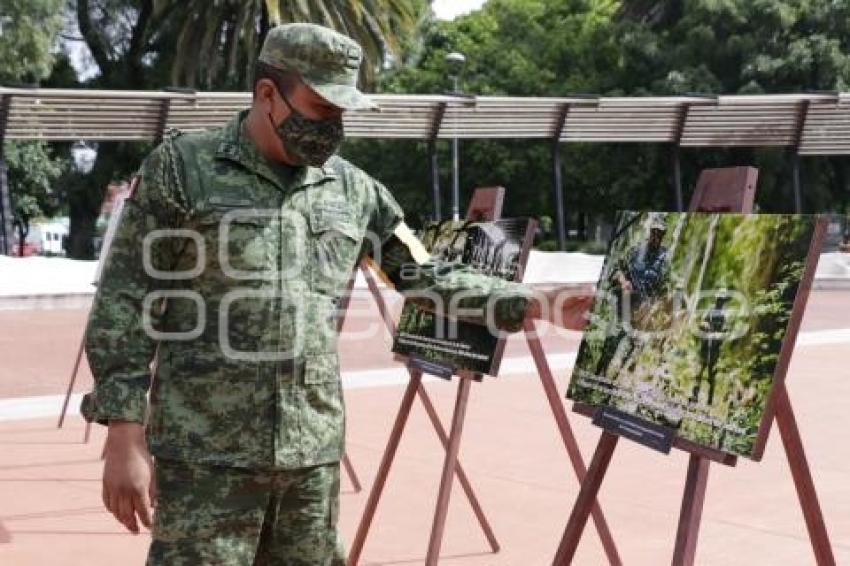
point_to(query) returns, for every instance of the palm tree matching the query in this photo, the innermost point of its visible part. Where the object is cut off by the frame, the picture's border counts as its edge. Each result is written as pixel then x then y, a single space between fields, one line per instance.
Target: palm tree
pixel 210 45
pixel 214 40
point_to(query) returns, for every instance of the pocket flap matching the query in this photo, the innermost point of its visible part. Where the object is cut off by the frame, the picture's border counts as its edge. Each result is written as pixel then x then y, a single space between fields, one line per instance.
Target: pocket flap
pixel 323 218
pixel 228 200
pixel 234 215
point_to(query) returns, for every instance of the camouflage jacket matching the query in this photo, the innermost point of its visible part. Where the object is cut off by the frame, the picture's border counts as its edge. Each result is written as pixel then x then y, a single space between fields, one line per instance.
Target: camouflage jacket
pixel 222 283
pixel 646 269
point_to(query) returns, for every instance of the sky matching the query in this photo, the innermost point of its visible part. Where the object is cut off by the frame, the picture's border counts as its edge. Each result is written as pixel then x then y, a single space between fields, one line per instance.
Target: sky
pixel 449 9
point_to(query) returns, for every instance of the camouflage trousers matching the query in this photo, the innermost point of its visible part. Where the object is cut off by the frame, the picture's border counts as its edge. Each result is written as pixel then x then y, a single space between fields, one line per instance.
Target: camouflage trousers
pixel 219 516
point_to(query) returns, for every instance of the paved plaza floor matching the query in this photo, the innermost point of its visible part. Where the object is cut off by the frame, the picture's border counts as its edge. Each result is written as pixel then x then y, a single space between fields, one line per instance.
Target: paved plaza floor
pixel 51 513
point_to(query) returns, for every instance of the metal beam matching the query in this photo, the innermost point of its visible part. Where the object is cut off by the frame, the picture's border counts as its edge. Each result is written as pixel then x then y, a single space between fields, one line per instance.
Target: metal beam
pixel 676 162
pixel 162 122
pixel 557 178
pixel 6 235
pixel 165 107
pixel 802 114
pixel 436 123
pixel 736 121
pixel 795 176
pixel 676 157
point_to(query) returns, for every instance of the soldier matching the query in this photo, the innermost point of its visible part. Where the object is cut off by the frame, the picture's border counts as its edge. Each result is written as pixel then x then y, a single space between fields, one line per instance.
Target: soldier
pixel 637 281
pixel 713 328
pixel 231 256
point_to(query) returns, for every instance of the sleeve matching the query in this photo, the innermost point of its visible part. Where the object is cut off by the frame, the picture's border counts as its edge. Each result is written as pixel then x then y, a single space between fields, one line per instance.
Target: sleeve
pixel 467 295
pixel 118 347
pixel 385 213
pixel 429 282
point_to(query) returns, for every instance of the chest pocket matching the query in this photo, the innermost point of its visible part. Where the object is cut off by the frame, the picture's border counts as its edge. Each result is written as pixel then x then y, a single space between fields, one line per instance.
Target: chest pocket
pixel 240 240
pixel 335 242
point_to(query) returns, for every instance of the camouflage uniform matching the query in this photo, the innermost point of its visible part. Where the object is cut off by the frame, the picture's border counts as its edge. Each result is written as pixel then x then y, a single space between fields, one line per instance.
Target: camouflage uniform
pixel 645 267
pixel 223 515
pixel 227 270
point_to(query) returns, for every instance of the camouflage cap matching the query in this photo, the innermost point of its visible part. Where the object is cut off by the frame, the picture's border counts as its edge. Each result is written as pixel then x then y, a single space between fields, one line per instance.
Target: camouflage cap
pixel 326 60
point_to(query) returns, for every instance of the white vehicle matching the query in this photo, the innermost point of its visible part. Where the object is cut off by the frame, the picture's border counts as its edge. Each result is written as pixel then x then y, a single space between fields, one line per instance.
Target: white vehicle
pixel 47 237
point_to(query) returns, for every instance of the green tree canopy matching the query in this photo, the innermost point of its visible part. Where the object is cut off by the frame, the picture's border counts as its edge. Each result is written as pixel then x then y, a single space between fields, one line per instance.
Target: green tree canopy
pixel 521 48
pixel 744 47
pixel 27 31
pixel 32 171
pixel 633 47
pixel 736 46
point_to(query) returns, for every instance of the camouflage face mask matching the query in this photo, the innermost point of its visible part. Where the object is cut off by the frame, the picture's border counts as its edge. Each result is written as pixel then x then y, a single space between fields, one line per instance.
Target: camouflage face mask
pixel 312 142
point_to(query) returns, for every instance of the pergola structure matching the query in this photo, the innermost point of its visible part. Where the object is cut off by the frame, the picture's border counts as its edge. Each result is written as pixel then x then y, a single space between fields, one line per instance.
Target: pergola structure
pixel 804 124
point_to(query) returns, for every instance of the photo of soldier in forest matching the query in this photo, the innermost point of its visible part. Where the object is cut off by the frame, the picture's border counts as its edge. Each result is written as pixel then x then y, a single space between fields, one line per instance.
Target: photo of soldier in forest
pixel 489 248
pixel 639 279
pixel 689 319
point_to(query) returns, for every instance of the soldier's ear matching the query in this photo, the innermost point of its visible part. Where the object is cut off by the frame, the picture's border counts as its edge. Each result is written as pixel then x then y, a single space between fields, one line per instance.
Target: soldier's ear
pixel 265 92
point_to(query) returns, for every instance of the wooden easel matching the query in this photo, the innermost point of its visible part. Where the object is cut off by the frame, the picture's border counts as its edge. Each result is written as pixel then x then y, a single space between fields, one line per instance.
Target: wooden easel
pixel 486 204
pixel 720 190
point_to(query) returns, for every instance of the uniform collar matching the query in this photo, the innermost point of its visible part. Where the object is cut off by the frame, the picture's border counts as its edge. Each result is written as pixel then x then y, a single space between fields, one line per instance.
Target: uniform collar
pixel 234 146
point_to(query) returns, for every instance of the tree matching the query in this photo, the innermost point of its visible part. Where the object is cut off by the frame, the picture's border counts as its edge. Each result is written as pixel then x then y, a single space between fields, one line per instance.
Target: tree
pixel 739 46
pixel 232 34
pixel 629 48
pixel 190 43
pixel 32 172
pixel 744 47
pixel 27 31
pixel 520 48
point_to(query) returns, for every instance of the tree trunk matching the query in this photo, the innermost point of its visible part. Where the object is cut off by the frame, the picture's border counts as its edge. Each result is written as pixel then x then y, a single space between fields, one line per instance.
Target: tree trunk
pixel 842 190
pixel 22 237
pixel 709 246
pixel 86 194
pixel 82 230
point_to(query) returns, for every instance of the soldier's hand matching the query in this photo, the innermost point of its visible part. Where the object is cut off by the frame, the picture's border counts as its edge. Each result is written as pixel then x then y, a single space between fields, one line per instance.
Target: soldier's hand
pixel 128 486
pixel 565 307
pixel 574 311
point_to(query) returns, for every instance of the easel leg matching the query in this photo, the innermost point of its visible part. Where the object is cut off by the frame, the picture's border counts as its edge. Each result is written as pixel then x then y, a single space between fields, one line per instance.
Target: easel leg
pixel 352 475
pixel 365 524
pixel 586 499
pixel 71 384
pixel 448 474
pixel 567 435
pixel 461 474
pixel 384 469
pixel 691 513
pixel 802 475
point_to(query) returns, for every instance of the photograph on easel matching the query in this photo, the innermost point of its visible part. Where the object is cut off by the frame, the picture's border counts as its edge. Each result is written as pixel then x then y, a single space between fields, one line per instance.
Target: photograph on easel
pixel 500 249
pixel 689 320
